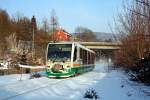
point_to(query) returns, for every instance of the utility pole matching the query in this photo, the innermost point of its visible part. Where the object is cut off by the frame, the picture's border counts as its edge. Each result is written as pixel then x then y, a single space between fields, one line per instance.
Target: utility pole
pixel 33 22
pixel 33 50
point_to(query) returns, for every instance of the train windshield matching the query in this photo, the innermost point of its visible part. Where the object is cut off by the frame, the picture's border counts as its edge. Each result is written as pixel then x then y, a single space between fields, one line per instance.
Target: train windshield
pixel 59 52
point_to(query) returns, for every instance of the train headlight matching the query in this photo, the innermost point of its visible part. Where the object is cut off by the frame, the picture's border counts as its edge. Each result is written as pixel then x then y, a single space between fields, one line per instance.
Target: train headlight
pixel 49 66
pixel 68 60
pixel 68 66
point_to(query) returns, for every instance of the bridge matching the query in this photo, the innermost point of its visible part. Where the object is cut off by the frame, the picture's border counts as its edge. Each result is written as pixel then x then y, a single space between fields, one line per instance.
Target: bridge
pixel 103 49
pixel 102 45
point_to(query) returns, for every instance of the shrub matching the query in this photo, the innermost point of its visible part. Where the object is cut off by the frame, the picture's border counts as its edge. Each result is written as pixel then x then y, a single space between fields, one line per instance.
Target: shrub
pixel 91 94
pixel 35 75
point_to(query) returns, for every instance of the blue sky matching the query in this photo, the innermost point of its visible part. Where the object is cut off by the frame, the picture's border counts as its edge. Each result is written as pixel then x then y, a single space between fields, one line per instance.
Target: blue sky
pixel 93 14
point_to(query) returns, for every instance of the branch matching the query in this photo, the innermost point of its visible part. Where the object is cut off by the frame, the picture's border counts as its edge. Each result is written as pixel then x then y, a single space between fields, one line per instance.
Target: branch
pixel 144 3
pixel 137 13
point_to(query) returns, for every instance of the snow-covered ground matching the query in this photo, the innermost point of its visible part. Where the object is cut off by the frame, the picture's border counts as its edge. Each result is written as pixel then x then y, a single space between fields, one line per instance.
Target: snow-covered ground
pixel 109 85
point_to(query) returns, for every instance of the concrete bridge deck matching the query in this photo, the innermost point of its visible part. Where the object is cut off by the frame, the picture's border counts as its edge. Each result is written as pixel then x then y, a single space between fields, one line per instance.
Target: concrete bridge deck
pixel 102 45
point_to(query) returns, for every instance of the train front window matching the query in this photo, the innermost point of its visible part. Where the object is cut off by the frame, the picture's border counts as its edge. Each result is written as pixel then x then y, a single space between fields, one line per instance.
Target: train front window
pixel 59 52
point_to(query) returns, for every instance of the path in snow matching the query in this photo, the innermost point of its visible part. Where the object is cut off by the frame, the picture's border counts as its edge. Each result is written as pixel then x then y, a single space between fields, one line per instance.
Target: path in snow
pixel 110 85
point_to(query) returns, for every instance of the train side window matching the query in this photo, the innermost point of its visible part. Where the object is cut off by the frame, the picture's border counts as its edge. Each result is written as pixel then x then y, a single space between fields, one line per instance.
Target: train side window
pixel 81 53
pixel 89 58
pixel 93 58
pixel 75 54
pixel 84 57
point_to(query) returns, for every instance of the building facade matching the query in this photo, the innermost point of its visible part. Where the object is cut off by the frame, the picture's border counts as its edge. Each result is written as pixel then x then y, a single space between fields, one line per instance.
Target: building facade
pixel 61 35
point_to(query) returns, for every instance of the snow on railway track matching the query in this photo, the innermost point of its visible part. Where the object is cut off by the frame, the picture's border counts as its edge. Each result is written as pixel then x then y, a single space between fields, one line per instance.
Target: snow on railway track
pixel 70 88
pixel 12 79
pixel 23 87
pixel 55 87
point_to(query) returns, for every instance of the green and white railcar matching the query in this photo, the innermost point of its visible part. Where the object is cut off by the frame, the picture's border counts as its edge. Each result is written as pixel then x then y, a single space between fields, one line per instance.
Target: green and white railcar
pixel 65 59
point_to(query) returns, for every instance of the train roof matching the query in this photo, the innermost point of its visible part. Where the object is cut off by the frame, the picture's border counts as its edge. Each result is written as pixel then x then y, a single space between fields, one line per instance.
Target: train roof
pixel 75 43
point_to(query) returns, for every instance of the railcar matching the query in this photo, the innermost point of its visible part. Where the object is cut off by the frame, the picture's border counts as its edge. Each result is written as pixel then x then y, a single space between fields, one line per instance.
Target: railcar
pixel 66 59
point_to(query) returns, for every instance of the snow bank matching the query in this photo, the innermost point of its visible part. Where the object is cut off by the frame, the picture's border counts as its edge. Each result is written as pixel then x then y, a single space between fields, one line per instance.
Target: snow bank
pixel 32 67
pixel 110 85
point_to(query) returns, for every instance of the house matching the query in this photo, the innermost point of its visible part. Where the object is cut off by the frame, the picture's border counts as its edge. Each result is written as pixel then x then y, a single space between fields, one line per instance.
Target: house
pixel 61 35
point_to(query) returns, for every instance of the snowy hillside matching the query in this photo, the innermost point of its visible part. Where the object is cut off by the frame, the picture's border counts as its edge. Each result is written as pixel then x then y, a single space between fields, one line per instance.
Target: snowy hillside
pixel 109 85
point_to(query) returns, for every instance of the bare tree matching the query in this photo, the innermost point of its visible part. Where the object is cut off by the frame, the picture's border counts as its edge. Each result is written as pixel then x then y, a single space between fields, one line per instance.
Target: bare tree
pixel 85 34
pixel 45 26
pixel 135 26
pixel 12 42
pixel 5 30
pixel 54 23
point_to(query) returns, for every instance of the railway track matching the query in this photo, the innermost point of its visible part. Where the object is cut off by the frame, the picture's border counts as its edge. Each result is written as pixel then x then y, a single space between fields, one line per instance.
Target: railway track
pixel 25 87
